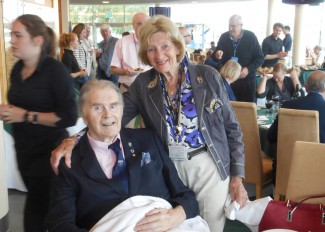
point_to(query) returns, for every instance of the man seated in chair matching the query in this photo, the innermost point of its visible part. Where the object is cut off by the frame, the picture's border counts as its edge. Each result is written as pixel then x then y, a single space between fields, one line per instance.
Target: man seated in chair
pixel 110 165
pixel 315 100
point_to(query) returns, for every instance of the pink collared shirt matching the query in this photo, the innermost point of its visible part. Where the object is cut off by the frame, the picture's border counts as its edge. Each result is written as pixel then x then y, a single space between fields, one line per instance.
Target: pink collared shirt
pixel 106 157
pixel 126 56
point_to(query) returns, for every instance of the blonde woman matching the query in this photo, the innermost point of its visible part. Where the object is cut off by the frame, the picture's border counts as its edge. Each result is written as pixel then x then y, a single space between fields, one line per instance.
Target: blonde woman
pixel 280 86
pixel 230 72
pixel 70 42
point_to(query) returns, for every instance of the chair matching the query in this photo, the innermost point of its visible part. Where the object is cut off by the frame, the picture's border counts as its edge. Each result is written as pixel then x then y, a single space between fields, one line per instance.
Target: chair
pixel 258 167
pixel 293 125
pixel 307 172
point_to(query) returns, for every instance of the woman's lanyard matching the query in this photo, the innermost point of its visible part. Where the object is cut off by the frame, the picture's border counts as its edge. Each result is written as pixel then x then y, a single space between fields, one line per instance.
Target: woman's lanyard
pixel 175 109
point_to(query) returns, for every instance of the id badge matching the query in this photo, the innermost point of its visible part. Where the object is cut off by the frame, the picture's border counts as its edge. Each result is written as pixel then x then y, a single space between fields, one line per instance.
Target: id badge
pixel 177 152
pixel 234 58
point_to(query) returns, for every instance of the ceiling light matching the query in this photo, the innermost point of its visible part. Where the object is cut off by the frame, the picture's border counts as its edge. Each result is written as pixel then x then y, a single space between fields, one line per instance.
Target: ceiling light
pixel 105 2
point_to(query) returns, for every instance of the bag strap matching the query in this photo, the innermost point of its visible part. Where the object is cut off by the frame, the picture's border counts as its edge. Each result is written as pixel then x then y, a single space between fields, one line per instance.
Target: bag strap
pixel 290 212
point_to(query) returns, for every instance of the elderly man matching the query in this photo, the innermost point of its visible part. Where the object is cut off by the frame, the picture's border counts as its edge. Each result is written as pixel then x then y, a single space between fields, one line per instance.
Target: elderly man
pixel 242 46
pixel 110 165
pixel 272 47
pixel 125 61
pixel 104 57
pixel 315 100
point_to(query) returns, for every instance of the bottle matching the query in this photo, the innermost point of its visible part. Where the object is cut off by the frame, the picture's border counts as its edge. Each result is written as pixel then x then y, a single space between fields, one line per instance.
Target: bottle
pixel 297 93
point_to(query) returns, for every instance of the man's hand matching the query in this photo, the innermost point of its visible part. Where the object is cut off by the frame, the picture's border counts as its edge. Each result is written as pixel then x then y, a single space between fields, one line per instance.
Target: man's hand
pixel 64 150
pixel 282 54
pixel 244 72
pixel 237 190
pixel 161 220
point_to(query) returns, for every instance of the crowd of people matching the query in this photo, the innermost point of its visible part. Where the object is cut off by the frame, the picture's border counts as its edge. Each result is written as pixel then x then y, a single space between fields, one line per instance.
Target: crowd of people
pixel 191 153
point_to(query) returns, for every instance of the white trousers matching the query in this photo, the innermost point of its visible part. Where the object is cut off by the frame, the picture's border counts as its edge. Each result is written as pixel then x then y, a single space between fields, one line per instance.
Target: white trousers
pixel 201 175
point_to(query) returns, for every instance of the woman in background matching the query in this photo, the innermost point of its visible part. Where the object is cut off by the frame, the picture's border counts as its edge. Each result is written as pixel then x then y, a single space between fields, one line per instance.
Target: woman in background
pixel 81 52
pixel 41 105
pixel 230 72
pixel 69 42
pixel 280 86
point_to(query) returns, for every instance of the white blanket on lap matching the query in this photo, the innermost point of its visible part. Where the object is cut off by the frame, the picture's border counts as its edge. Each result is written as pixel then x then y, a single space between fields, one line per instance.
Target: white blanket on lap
pixel 124 216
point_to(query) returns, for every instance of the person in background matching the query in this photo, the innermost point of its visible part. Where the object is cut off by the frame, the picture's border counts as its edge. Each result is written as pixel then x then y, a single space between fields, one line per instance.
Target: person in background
pixel 280 85
pixel 317 56
pixel 125 61
pixel 213 45
pixel 187 106
pixel 82 195
pixel 81 52
pixel 88 43
pixel 230 72
pixel 69 42
pixel 272 47
pixel 187 40
pixel 41 105
pixel 125 33
pixel 201 59
pixel 104 58
pixel 242 46
pixel 315 100
pixel 287 41
pixel 209 61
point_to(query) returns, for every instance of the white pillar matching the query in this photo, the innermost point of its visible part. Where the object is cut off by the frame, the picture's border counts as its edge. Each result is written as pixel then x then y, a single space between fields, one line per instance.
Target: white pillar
pixel 272 5
pixel 299 45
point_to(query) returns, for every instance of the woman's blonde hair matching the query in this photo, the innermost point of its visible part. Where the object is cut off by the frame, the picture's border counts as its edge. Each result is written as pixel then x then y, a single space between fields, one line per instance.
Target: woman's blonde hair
pixel 280 67
pixel 159 24
pixel 66 39
pixel 231 70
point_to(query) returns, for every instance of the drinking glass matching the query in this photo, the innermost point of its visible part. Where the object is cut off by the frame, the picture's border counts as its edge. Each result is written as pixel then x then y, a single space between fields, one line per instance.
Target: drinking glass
pixel 268 104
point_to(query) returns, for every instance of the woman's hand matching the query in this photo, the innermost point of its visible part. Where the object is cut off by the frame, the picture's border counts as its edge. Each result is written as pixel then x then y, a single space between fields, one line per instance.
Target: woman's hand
pixel 237 190
pixel 12 114
pixel 161 220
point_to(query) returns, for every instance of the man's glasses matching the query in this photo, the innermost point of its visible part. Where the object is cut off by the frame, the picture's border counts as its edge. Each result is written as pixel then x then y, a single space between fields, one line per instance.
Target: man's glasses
pixel 184 36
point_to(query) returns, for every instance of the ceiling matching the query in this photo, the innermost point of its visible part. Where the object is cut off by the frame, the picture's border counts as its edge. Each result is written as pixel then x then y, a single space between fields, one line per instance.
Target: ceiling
pixel 121 2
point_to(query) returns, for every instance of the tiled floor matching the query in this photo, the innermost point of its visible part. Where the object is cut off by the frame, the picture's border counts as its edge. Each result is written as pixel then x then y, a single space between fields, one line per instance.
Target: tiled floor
pixel 17 201
pixel 16 205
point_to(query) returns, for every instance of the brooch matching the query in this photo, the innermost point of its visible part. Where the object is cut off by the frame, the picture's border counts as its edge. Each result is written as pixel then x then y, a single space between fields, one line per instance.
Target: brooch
pixel 153 83
pixel 215 104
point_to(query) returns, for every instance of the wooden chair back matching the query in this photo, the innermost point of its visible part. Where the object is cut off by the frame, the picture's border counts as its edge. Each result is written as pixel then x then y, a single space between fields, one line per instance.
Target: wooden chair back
pixel 307 172
pixel 294 125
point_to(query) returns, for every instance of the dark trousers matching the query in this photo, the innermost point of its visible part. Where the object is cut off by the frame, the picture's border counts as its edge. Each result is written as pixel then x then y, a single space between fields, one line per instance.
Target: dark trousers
pixel 101 75
pixel 37 203
pixel 245 89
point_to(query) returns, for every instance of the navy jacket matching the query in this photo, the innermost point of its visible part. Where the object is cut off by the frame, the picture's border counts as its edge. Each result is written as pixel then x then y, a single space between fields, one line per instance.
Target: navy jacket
pixel 313 101
pixel 82 195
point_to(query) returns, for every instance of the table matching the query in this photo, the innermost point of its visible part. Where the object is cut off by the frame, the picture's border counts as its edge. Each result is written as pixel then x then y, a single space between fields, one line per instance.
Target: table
pixel 268 148
pixel 14 180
